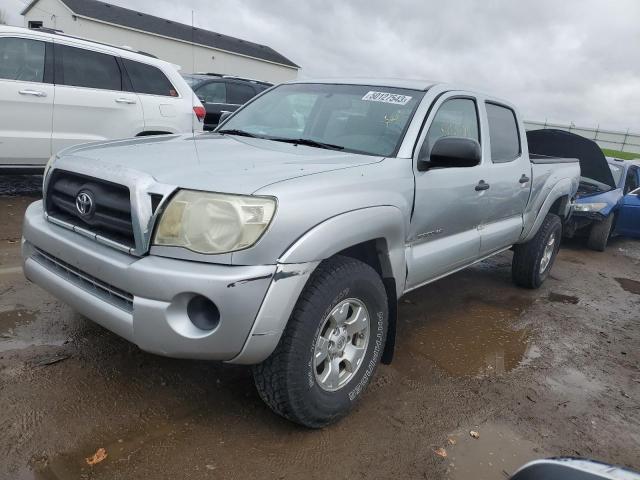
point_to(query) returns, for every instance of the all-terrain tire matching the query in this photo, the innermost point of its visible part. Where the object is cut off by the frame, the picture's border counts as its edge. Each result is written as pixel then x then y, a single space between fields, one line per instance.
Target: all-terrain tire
pixel 600 233
pixel 286 381
pixel 527 257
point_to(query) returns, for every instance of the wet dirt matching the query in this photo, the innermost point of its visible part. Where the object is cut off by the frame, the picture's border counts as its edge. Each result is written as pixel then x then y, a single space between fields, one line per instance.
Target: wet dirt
pixel 497 452
pixel 469 337
pixel 631 286
pixel 561 298
pixel 534 372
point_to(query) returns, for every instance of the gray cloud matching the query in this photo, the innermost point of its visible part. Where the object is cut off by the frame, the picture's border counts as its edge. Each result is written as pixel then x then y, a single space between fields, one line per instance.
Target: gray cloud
pixel 575 60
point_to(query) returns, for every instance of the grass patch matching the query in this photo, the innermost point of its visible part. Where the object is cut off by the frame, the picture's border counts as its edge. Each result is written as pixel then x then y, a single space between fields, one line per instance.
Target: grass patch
pixel 622 155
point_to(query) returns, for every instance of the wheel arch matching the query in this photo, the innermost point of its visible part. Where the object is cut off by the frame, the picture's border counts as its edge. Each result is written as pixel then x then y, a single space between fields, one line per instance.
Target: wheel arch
pixel 375 236
pixel 557 201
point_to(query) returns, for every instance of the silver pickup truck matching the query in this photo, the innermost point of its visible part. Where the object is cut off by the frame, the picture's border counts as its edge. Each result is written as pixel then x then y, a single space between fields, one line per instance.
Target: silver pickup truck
pixel 284 239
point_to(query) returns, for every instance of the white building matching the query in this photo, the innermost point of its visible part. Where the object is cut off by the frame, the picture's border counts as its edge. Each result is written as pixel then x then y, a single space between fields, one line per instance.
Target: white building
pixel 194 49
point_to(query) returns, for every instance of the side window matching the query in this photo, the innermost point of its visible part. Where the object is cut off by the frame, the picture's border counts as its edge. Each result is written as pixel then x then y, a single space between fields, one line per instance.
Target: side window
pixel 148 79
pixel 213 92
pixel 22 59
pixel 239 93
pixel 503 133
pixel 457 117
pixel 85 68
pixel 631 182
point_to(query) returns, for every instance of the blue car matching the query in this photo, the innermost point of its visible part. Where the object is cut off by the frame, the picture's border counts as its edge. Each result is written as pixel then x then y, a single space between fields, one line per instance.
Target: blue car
pixel 601 211
pixel 608 198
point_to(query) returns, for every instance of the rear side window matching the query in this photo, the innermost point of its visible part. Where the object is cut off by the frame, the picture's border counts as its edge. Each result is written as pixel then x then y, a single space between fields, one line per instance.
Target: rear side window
pixel 148 79
pixel 239 93
pixel 83 68
pixel 503 133
pixel 457 117
pixel 213 92
pixel 22 59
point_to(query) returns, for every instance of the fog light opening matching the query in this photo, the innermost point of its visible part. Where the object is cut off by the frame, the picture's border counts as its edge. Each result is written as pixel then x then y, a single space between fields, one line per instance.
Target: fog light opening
pixel 203 313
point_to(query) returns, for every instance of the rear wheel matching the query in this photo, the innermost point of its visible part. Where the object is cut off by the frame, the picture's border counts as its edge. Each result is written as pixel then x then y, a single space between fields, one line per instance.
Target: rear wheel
pixel 532 261
pixel 331 346
pixel 600 233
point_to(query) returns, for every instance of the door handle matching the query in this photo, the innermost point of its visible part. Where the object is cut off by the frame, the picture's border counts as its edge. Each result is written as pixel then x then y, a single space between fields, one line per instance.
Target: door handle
pixel 524 179
pixel 482 185
pixel 35 93
pixel 128 101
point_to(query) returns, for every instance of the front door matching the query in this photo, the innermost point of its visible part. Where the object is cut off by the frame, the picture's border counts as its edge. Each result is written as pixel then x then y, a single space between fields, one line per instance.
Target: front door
pixel 628 222
pixel 26 102
pixel 449 202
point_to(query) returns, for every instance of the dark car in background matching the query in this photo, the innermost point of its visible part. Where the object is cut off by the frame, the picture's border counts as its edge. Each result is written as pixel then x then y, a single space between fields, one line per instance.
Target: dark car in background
pixel 223 93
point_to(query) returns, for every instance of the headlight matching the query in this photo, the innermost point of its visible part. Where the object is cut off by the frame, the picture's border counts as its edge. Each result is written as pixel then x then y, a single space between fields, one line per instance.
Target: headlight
pixel 589 207
pixel 214 222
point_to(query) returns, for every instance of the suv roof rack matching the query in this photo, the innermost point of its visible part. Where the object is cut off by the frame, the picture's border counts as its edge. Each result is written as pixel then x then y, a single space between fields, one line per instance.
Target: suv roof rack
pixel 222 75
pixel 62 34
pixel 47 30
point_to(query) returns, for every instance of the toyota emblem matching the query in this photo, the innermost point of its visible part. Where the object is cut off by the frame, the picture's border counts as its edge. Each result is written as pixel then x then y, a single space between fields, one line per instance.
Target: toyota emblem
pixel 84 204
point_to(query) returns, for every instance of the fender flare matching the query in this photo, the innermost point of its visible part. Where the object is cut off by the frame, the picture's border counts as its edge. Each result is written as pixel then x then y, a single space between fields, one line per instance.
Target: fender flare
pixel 564 188
pixel 384 223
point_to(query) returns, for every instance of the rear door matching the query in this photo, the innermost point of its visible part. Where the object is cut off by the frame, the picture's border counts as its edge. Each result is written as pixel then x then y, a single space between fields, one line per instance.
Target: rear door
pixel 628 221
pixel 26 101
pixel 508 174
pixel 163 107
pixel 90 103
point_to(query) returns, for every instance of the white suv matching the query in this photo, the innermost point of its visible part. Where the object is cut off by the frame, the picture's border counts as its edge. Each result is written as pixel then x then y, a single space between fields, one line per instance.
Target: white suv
pixel 57 91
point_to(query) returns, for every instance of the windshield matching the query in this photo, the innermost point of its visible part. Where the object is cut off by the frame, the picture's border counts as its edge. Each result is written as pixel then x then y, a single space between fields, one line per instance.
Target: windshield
pixel 616 171
pixel 353 118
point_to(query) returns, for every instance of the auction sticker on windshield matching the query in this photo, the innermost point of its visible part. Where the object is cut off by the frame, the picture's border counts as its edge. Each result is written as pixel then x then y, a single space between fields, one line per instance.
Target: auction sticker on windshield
pixel 386 97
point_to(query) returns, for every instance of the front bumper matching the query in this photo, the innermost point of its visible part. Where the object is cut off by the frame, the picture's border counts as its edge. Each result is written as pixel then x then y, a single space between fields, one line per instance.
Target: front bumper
pixel 144 299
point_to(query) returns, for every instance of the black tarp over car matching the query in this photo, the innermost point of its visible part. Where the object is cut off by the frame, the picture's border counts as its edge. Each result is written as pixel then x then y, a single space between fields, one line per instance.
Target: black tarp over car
pixel 558 143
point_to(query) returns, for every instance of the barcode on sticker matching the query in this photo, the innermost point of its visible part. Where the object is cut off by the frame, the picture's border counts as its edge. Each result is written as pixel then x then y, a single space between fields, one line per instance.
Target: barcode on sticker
pixel 386 97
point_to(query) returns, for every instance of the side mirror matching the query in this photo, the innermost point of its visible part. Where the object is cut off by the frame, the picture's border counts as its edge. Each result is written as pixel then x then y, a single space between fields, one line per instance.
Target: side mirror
pixel 450 152
pixel 224 115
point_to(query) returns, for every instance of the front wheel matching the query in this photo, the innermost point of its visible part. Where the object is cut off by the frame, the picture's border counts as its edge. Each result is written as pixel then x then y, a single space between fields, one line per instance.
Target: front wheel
pixel 532 261
pixel 600 233
pixel 331 346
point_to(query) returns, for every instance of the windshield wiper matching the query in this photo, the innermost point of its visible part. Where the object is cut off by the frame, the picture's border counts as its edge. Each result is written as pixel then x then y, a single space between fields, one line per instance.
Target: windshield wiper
pixel 235 131
pixel 308 142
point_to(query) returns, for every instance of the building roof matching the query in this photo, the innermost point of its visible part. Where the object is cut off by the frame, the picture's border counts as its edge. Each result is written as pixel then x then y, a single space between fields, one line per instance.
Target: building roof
pixel 125 17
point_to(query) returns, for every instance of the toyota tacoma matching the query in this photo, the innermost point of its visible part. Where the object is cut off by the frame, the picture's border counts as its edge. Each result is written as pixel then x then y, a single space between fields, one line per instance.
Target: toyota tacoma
pixel 284 239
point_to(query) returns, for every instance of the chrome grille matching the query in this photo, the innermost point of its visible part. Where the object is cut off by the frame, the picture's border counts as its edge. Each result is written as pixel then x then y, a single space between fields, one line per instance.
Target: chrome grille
pixel 110 294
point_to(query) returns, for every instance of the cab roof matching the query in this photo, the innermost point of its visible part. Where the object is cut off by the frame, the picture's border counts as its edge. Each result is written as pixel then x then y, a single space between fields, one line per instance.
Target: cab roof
pixel 423 85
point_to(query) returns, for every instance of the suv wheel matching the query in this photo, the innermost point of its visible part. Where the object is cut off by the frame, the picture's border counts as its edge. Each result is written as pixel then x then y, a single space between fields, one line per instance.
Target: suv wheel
pixel 532 261
pixel 331 346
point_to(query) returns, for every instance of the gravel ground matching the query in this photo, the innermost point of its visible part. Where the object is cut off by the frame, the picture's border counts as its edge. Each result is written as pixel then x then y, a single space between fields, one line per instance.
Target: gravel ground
pixel 554 371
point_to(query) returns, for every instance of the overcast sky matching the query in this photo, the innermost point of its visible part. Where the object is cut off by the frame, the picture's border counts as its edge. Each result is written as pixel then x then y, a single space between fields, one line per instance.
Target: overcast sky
pixel 570 60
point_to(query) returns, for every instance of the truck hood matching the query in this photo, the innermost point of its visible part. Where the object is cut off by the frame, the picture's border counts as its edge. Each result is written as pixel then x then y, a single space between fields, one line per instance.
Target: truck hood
pixel 209 161
pixel 558 143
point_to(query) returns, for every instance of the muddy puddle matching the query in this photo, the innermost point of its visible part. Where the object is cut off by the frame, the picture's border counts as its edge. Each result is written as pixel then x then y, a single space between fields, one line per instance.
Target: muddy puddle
pixel 496 453
pixel 465 336
pixel 561 298
pixel 631 286
pixel 16 332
